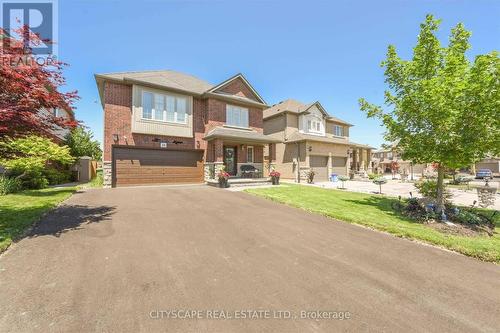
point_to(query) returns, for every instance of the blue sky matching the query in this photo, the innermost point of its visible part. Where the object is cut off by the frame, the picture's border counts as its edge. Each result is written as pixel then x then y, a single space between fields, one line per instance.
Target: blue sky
pixel 311 50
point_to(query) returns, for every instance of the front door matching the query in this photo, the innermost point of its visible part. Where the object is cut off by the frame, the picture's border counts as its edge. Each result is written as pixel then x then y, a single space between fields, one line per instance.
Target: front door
pixel 230 160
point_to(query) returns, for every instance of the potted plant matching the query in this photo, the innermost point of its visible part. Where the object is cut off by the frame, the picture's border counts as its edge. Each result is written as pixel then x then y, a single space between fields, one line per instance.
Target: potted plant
pixel 275 177
pixel 380 181
pixel 310 176
pixel 223 176
pixel 343 179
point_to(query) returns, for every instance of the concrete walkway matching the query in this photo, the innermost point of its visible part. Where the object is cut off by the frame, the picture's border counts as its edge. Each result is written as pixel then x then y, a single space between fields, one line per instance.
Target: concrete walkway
pixel 396 188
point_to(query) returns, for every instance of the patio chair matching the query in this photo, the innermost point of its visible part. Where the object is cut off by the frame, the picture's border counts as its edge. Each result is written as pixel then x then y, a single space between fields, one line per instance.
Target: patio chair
pixel 249 171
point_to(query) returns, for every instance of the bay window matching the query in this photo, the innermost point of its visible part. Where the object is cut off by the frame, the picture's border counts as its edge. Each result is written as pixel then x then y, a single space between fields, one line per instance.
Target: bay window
pixel 162 107
pixel 147 105
pixel 236 116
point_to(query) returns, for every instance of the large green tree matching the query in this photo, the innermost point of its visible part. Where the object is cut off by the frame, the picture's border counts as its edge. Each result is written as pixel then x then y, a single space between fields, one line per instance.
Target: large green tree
pixel 441 107
pixel 81 142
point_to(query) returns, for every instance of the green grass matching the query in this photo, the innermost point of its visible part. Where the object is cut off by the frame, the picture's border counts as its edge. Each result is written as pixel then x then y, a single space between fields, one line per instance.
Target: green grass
pixel 19 211
pixel 375 211
pixel 97 181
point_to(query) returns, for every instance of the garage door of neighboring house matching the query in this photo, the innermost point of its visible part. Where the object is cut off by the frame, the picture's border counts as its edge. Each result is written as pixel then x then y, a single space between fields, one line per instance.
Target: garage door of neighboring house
pixel 488 165
pixel 339 165
pixel 138 166
pixel 320 166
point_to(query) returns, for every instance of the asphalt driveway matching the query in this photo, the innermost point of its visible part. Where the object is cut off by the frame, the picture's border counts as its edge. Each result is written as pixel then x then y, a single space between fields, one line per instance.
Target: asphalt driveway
pixel 113 260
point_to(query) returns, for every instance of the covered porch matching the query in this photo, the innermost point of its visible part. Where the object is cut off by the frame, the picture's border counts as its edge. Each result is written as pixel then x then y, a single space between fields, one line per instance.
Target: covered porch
pixel 240 152
pixel 360 159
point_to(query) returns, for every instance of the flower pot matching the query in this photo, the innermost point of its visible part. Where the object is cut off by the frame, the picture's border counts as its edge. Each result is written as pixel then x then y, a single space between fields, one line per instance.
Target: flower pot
pixel 275 180
pixel 223 183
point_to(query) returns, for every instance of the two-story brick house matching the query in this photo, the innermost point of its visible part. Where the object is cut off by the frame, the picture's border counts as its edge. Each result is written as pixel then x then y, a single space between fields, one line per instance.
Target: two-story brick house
pixel 311 139
pixel 164 127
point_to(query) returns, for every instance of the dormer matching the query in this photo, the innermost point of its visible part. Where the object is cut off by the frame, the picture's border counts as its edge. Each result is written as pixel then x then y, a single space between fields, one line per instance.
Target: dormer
pixel 313 120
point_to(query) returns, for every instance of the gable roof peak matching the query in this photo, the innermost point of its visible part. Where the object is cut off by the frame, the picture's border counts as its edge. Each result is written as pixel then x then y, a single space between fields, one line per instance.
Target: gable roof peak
pixel 245 81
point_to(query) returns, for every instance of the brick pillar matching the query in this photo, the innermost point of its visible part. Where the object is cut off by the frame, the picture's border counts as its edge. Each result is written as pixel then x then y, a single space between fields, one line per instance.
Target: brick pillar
pixel 219 150
pixel 272 157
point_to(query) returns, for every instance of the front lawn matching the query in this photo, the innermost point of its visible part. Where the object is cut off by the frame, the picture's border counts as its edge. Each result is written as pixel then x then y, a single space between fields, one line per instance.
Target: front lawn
pixel 19 211
pixel 375 211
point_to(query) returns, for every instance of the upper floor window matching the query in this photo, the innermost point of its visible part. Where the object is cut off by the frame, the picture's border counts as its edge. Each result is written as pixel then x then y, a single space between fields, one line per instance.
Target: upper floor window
pixel 338 130
pixel 162 107
pixel 59 113
pixel 314 125
pixel 236 116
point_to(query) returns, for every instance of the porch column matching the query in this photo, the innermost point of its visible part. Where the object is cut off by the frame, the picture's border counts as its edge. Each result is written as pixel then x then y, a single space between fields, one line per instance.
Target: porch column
pixel 362 159
pixel 329 168
pixel 218 155
pixel 355 159
pixel 348 162
pixel 272 157
pixel 369 160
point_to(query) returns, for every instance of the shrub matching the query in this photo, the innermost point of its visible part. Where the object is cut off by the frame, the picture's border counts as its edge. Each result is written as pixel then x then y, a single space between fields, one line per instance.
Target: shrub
pixel 26 158
pixel 372 176
pixel 9 185
pixel 310 176
pixel 428 189
pixel 29 178
pixel 81 143
pixel 55 176
pixel 343 179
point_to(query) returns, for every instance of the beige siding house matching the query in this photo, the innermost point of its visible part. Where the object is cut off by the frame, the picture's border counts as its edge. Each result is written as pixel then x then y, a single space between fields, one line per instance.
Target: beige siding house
pixel 382 160
pixel 311 139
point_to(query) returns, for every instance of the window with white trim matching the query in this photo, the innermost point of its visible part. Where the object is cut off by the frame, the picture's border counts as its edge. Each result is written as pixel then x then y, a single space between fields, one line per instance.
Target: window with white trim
pixel 236 116
pixel 338 130
pixel 249 154
pixel 161 107
pixel 314 125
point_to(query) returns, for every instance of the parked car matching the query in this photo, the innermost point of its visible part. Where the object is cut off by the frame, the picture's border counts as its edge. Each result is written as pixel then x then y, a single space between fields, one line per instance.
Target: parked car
pixel 484 174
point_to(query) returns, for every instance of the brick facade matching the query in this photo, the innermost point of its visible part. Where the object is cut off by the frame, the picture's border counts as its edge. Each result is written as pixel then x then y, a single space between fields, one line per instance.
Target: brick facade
pixel 118 120
pixel 216 115
pixel 207 114
pixel 239 88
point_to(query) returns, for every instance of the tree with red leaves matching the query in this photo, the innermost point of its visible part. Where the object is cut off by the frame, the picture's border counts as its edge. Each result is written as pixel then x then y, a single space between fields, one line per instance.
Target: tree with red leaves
pixel 28 86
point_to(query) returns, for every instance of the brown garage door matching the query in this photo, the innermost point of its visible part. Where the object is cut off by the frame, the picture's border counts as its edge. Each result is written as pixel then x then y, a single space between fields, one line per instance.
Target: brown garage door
pixel 320 166
pixel 339 165
pixel 137 166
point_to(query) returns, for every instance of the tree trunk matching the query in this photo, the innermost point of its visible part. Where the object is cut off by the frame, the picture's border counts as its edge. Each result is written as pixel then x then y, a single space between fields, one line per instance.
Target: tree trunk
pixel 440 190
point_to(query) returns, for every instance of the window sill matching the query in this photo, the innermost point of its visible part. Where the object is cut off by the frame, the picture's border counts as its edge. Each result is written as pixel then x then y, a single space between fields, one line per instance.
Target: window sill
pixel 174 123
pixel 238 127
pixel 315 133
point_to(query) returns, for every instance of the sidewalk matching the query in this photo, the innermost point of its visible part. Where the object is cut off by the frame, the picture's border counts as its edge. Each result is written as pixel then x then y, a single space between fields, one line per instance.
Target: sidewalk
pixel 395 188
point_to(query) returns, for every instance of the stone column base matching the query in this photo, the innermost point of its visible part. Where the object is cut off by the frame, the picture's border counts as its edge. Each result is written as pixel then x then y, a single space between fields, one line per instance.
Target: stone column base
pixel 304 172
pixel 107 175
pixel 208 171
pixel 219 166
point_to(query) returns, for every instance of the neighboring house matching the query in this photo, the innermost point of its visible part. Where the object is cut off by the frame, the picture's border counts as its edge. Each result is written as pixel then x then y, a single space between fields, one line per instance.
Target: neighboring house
pixel 59 133
pixel 491 163
pixel 383 159
pixel 169 127
pixel 311 139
